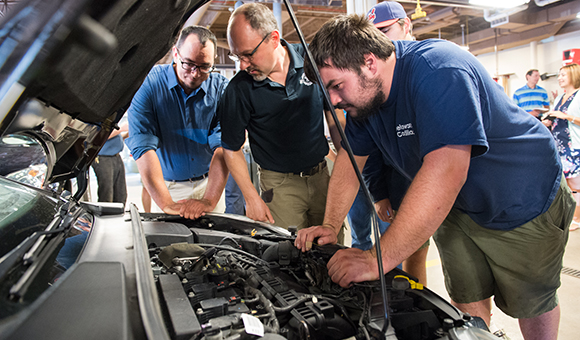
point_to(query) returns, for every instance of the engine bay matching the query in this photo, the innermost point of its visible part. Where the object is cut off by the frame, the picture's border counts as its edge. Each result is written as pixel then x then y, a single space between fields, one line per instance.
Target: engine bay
pixel 228 279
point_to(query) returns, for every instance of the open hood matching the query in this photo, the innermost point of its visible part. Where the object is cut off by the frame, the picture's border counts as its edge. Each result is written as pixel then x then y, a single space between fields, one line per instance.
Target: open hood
pixel 68 71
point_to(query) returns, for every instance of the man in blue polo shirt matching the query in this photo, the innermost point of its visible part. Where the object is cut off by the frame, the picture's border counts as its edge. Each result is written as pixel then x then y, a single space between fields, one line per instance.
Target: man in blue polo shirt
pixel 532 97
pixel 110 170
pixel 283 113
pixel 486 177
pixel 174 134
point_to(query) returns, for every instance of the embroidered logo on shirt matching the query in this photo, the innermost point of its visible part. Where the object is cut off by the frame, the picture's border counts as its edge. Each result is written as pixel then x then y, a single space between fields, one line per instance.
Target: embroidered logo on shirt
pixel 304 80
pixel 404 130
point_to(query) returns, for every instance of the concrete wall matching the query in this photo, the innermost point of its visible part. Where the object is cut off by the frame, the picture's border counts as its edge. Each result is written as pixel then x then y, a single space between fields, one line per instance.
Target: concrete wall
pixel 517 61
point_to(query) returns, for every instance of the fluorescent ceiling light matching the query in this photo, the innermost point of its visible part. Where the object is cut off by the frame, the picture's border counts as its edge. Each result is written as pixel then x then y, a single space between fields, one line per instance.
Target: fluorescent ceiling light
pixel 499 3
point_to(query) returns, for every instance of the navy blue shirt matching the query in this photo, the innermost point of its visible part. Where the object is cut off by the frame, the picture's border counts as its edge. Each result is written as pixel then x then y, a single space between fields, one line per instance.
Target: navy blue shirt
pixel 284 123
pixel 183 129
pixel 442 95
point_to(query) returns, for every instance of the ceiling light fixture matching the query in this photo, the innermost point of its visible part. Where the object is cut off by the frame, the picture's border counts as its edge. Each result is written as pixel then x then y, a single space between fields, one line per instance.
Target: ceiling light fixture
pixel 499 3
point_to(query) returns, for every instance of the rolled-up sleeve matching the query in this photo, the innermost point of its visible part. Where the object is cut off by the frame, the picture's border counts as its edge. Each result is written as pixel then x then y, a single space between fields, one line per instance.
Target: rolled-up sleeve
pixel 139 144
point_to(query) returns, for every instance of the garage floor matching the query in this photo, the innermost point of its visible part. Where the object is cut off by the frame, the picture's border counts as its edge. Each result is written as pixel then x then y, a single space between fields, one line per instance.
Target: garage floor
pixel 569 292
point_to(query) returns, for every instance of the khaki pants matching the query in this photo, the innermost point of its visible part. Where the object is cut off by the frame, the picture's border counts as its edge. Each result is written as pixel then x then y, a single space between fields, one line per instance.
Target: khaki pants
pixel 296 200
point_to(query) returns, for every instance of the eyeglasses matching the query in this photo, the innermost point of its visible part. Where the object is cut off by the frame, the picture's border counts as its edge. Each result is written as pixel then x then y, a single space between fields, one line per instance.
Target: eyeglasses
pixel 190 67
pixel 248 56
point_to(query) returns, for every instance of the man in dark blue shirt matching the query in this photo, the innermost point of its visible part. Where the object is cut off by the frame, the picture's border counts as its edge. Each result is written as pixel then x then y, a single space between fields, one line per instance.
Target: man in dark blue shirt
pixel 283 114
pixel 174 134
pixel 486 177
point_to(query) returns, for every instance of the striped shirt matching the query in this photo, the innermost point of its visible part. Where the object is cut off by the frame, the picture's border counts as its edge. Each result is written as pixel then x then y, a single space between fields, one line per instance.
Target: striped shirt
pixel 530 99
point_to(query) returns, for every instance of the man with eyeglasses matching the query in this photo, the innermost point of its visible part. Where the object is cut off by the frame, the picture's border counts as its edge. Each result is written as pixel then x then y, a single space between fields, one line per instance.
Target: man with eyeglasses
pixel 283 113
pixel 386 14
pixel 175 135
pixel 385 183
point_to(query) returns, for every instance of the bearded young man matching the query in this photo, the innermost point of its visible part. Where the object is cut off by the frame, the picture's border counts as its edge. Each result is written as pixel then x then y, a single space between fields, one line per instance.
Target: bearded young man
pixel 486 178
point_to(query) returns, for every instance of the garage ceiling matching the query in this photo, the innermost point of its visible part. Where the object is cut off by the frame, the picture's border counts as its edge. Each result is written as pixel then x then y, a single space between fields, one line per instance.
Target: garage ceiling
pixel 456 20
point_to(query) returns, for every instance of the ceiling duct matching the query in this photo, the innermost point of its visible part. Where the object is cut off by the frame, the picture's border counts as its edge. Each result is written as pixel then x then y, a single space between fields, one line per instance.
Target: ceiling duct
pixel 498 17
pixel 542 3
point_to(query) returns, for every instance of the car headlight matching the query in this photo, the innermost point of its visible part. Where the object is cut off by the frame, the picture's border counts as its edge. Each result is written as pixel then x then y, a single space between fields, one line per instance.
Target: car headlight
pixel 34 175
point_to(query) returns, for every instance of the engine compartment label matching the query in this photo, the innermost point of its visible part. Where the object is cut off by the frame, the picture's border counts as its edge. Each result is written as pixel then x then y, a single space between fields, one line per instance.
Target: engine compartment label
pixel 253 325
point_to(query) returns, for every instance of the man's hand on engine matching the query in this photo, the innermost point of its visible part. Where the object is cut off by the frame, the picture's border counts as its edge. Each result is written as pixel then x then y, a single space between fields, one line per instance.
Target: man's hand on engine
pixel 353 265
pixel 326 234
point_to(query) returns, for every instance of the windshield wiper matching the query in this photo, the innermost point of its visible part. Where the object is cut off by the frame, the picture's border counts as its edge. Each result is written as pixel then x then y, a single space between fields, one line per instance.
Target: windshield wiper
pixel 35 251
pixel 19 252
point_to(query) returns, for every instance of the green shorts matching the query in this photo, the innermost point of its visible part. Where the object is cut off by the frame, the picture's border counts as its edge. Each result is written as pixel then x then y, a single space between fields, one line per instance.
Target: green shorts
pixel 520 267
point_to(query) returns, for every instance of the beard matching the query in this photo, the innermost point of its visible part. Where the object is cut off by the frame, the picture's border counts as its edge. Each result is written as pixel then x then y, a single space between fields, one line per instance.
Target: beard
pixel 260 76
pixel 371 107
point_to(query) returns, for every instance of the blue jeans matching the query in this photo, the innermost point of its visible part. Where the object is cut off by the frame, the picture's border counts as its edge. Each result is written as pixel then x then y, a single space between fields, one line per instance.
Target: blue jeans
pixel 235 203
pixel 359 218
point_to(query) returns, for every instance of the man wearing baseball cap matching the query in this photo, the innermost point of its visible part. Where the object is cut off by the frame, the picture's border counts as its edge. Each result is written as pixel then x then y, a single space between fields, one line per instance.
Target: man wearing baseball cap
pixel 390 18
pixel 385 14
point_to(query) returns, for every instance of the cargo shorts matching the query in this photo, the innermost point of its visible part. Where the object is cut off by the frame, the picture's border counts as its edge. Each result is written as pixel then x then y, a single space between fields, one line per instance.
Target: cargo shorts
pixel 520 268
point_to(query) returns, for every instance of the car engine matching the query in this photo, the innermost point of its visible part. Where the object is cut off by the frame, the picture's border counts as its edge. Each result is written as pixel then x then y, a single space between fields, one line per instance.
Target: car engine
pixel 234 281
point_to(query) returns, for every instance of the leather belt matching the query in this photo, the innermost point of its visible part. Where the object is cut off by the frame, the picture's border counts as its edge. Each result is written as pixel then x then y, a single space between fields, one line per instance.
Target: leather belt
pixel 193 179
pixel 312 171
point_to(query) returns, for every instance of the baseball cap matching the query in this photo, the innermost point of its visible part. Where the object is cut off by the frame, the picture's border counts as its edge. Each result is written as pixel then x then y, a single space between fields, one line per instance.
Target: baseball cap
pixel 386 13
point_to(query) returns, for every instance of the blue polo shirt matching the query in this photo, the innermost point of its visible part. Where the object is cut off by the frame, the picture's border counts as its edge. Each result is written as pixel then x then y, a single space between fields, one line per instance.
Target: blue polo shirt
pixel 515 170
pixel 284 123
pixel 183 129
pixel 530 99
pixel 112 146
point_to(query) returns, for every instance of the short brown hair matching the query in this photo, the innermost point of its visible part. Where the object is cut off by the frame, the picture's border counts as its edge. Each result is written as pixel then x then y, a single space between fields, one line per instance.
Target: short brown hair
pixel 573 71
pixel 402 24
pixel 529 73
pixel 344 41
pixel 202 33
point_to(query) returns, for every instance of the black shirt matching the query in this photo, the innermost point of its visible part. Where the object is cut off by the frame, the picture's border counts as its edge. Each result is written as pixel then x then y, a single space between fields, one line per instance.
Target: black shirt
pixel 284 123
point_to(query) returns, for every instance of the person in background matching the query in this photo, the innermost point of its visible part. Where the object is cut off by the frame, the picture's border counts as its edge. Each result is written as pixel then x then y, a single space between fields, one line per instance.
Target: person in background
pixel 486 176
pixel 531 97
pixel 235 203
pixel 386 14
pixel 174 133
pixel 564 121
pixel 386 184
pixel 110 170
pixel 145 200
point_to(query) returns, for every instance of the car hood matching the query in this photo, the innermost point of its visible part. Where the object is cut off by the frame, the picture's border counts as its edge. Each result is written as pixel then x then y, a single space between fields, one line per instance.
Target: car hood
pixel 69 68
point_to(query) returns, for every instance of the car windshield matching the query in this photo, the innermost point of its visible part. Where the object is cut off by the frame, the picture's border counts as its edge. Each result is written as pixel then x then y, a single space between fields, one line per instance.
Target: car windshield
pixel 23 211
